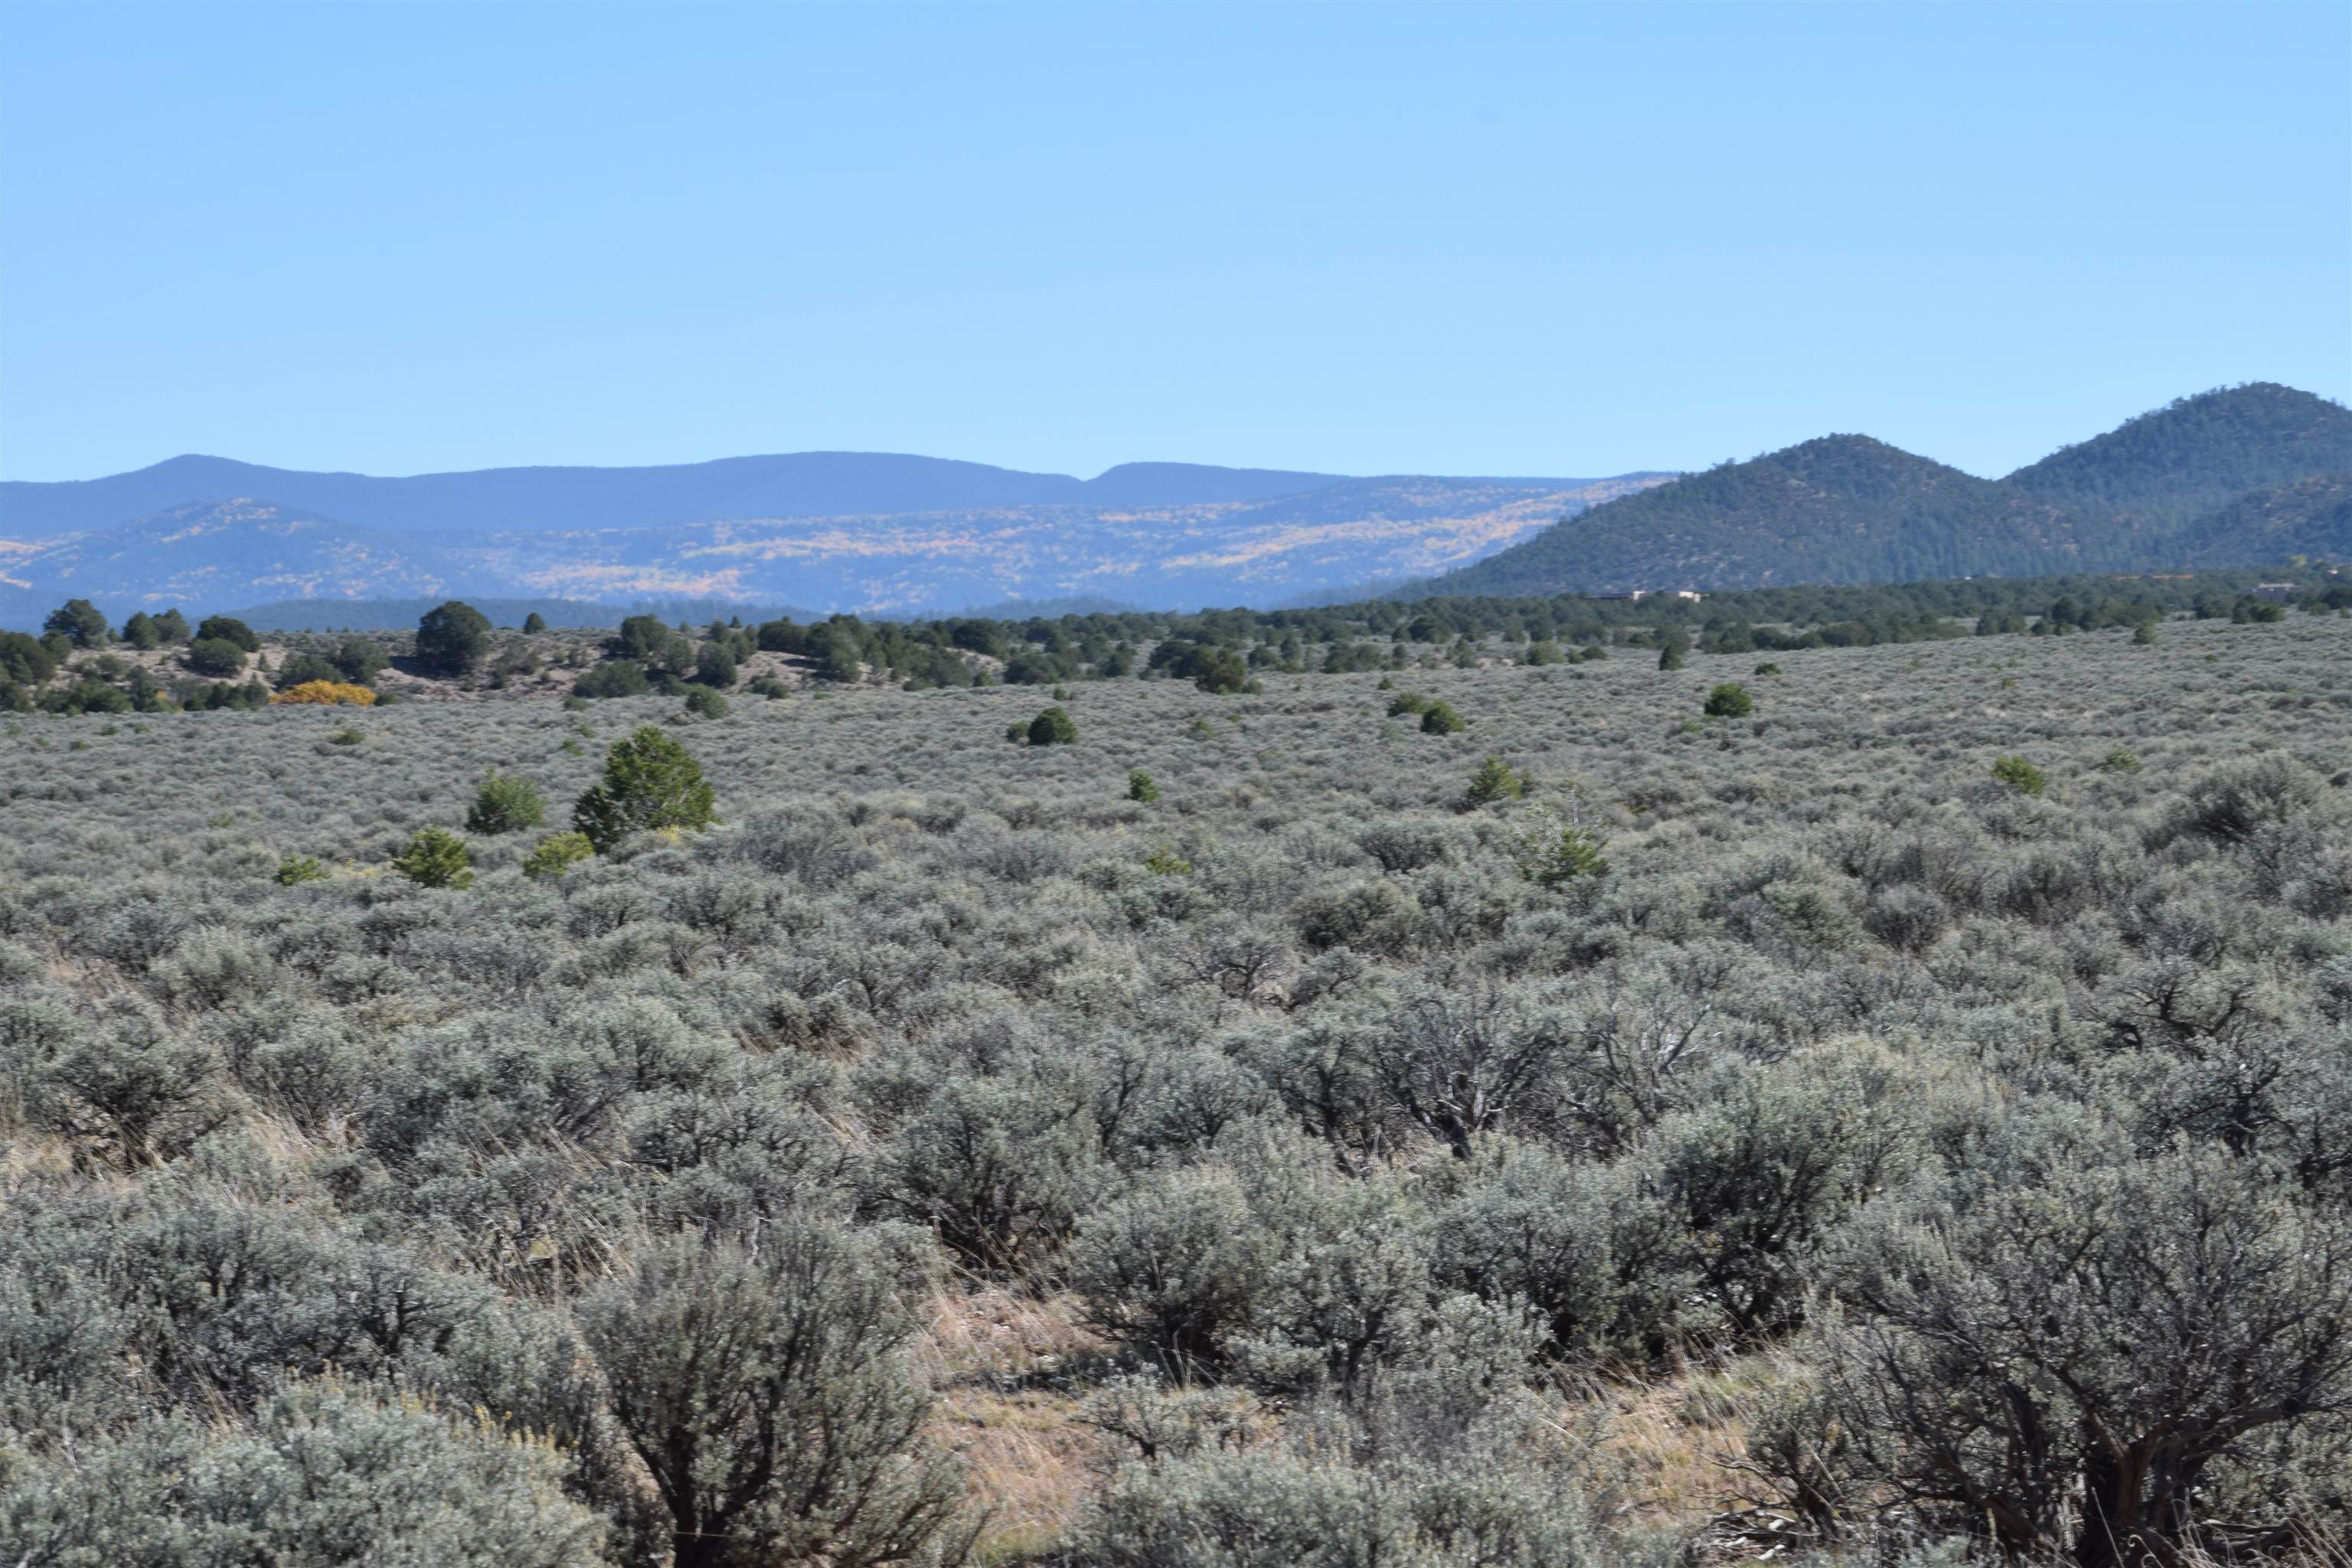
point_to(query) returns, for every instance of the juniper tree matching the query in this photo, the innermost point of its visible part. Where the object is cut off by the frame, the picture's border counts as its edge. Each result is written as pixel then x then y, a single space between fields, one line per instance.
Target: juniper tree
pixel 650 782
pixel 435 858
pixel 79 622
pixel 505 803
pixel 1729 700
pixel 453 638
pixel 1053 727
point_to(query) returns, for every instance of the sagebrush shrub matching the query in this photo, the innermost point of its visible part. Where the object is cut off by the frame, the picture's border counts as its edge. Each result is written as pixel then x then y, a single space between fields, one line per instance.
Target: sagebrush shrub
pixel 1855 1096
pixel 767 1391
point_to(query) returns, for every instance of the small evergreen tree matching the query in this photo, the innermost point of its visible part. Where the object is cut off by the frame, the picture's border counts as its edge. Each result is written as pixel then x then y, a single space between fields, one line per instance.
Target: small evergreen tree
pixel 1052 728
pixel 1139 787
pixel 216 656
pixel 2018 775
pixel 296 870
pixel 1729 700
pixel 228 629
pixel 359 660
pixel 453 638
pixel 650 781
pixel 715 666
pixel 1494 780
pixel 78 621
pixel 1220 672
pixel 436 857
pixel 506 803
pixel 1550 852
pixel 534 623
pixel 1439 719
pixel 556 854
pixel 704 702
pixel 620 678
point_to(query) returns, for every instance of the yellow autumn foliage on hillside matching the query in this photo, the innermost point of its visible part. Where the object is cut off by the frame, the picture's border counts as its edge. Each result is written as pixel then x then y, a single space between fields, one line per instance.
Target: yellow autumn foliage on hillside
pixel 328 693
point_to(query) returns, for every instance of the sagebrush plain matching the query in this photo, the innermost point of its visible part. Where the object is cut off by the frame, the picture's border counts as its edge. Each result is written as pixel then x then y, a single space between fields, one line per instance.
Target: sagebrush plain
pixel 1910 1121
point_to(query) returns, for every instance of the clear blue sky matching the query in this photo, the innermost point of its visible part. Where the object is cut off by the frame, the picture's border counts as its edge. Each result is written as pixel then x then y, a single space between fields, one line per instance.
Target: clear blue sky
pixel 1457 240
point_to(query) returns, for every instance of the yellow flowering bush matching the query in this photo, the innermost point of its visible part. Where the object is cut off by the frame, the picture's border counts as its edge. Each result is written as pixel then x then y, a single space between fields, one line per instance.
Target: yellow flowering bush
pixel 328 693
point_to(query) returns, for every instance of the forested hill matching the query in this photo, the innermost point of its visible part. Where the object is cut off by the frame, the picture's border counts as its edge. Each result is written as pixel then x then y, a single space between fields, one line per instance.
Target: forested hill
pixel 1842 508
pixel 2311 518
pixel 2164 489
pixel 2186 461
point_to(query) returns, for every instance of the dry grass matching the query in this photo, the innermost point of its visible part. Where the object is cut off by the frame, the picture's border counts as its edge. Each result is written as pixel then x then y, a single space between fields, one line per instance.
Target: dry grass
pixel 1666 1443
pixel 1029 1462
pixel 992 1354
pixel 997 1359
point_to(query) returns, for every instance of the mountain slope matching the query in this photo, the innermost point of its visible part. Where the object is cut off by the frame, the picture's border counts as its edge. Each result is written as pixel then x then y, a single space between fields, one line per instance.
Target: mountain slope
pixel 799 484
pixel 2310 517
pixel 2197 454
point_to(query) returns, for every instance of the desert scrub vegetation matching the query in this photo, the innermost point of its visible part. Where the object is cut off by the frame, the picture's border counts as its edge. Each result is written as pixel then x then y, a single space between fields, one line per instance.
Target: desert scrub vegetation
pixel 1782 1135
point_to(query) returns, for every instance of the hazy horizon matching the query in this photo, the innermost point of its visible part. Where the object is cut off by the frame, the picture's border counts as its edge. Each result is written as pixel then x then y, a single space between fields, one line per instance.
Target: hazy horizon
pixel 1466 241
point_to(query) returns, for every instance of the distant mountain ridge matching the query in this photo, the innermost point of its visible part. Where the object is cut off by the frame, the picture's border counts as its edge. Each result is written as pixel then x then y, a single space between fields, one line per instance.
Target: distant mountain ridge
pixel 2244 475
pixel 788 485
pixel 2183 485
pixel 858 532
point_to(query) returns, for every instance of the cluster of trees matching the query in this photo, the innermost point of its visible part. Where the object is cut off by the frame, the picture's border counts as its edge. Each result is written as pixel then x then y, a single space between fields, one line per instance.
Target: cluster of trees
pixel 1219 650
pixel 76 641
pixel 1932 1076
pixel 651 784
pixel 215 664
